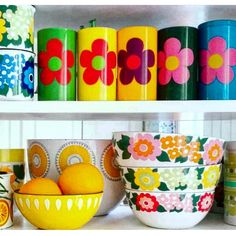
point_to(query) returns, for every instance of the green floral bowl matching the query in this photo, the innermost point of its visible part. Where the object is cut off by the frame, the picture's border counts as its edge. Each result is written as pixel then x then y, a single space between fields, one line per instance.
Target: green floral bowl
pixel 157 149
pixel 176 179
pixel 170 210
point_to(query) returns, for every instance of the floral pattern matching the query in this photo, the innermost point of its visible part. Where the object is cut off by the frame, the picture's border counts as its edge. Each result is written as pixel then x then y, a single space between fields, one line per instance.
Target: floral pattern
pixel 99 63
pixel 146 202
pixel 216 62
pixel 171 179
pixel 169 148
pixel 170 202
pixel 146 179
pixel 16 75
pixel 16 26
pixel 144 147
pixel 173 62
pixel 135 62
pixel 211 177
pixel 213 151
pixel 205 202
pixel 55 63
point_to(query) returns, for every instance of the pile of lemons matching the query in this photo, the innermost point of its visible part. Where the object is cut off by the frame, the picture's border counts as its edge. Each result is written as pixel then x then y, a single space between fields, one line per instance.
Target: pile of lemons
pixel 81 178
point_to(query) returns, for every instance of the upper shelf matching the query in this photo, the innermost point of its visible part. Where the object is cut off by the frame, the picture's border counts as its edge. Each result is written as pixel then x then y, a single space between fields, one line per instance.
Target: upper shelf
pixel 118 110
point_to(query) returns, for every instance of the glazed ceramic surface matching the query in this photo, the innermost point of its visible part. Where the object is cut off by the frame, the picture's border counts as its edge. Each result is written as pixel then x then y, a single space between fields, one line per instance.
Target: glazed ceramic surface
pixel 230 203
pixel 159 149
pixel 6 200
pixel 137 63
pixel 58 212
pixel 12 160
pixel 177 63
pixel 57 64
pixel 170 210
pixel 216 56
pixel 97 64
pixel 17 27
pixel 48 157
pixel 16 75
pixel 176 179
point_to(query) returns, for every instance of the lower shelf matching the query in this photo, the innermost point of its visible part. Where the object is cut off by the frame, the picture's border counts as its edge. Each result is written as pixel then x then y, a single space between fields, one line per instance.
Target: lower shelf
pixel 122 218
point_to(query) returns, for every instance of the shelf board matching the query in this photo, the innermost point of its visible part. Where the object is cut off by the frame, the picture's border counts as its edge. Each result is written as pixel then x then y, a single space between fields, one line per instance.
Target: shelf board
pixel 118 110
pixel 122 218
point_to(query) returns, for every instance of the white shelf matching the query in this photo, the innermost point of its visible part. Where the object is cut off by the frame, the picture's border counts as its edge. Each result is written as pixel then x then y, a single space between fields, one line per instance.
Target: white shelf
pixel 122 218
pixel 118 110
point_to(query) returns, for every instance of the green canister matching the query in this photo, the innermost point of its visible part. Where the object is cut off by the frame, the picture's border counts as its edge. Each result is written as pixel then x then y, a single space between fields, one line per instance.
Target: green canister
pixel 177 63
pixel 57 64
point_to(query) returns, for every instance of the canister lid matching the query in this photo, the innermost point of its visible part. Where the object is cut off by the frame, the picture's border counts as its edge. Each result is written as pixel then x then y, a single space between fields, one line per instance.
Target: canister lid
pixel 231 146
pixel 12 155
pixel 213 23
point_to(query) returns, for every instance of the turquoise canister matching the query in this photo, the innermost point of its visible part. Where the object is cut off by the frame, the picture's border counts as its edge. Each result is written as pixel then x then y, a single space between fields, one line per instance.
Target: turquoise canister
pixel 217 55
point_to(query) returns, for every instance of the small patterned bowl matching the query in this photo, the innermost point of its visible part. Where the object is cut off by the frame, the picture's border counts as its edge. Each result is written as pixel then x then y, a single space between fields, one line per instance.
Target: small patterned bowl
pixel 157 149
pixel 58 212
pixel 174 179
pixel 170 210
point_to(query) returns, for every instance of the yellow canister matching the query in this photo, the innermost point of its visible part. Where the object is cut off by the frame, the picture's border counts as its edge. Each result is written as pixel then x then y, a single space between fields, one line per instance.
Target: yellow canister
pixel 137 63
pixel 97 51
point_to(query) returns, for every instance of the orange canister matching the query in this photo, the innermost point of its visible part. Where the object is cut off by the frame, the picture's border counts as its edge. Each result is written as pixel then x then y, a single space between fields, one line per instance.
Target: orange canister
pixel 97 51
pixel 137 63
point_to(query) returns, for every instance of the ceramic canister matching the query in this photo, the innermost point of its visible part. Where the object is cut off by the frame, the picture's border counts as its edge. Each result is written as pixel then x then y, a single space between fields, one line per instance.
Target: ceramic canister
pixel 17 27
pixel 16 75
pixel 217 53
pixel 56 64
pixel 137 63
pixel 97 64
pixel 12 160
pixel 177 63
pixel 6 200
pixel 230 201
pixel 48 157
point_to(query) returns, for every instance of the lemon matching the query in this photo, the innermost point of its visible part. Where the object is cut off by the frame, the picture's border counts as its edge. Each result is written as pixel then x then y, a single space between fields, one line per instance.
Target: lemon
pixel 82 178
pixel 43 186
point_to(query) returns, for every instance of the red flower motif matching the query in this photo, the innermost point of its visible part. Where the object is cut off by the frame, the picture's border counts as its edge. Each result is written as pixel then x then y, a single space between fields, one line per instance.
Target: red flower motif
pixel 99 63
pixel 55 63
pixel 146 202
pixel 205 202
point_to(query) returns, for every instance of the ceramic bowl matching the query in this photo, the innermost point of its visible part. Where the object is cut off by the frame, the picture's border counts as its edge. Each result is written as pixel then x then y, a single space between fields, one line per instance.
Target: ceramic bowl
pixel 16 75
pixel 170 210
pixel 48 157
pixel 157 149
pixel 12 160
pixel 177 179
pixel 58 212
pixel 17 27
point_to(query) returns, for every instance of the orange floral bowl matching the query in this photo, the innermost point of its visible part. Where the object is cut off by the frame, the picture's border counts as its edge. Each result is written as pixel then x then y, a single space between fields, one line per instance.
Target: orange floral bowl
pixel 172 179
pixel 157 149
pixel 49 157
pixel 170 210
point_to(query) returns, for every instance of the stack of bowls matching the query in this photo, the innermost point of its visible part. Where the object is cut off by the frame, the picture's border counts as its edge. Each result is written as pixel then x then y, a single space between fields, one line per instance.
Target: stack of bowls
pixel 16 52
pixel 169 179
pixel 230 183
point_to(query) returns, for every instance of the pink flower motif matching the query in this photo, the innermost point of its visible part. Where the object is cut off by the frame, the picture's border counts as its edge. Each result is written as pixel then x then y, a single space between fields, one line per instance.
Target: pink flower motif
pixel 171 202
pixel 188 204
pixel 144 147
pixel 205 202
pixel 216 62
pixel 173 62
pixel 213 152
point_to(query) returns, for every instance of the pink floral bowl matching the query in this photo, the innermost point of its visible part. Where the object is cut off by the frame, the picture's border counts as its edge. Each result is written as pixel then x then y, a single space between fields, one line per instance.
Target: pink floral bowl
pixel 170 210
pixel 157 149
pixel 171 179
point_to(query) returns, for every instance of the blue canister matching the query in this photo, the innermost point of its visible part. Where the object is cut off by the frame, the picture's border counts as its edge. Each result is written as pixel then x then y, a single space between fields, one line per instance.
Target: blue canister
pixel 217 55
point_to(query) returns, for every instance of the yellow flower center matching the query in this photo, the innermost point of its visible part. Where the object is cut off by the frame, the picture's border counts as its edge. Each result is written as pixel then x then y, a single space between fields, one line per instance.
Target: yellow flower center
pixel 215 61
pixel 172 63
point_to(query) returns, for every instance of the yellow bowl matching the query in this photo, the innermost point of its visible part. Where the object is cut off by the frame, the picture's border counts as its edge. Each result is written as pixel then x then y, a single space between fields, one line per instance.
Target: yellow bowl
pixel 58 211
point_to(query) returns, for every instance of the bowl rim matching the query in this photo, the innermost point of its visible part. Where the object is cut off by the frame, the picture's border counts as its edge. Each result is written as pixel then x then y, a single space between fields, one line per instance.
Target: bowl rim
pixel 67 139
